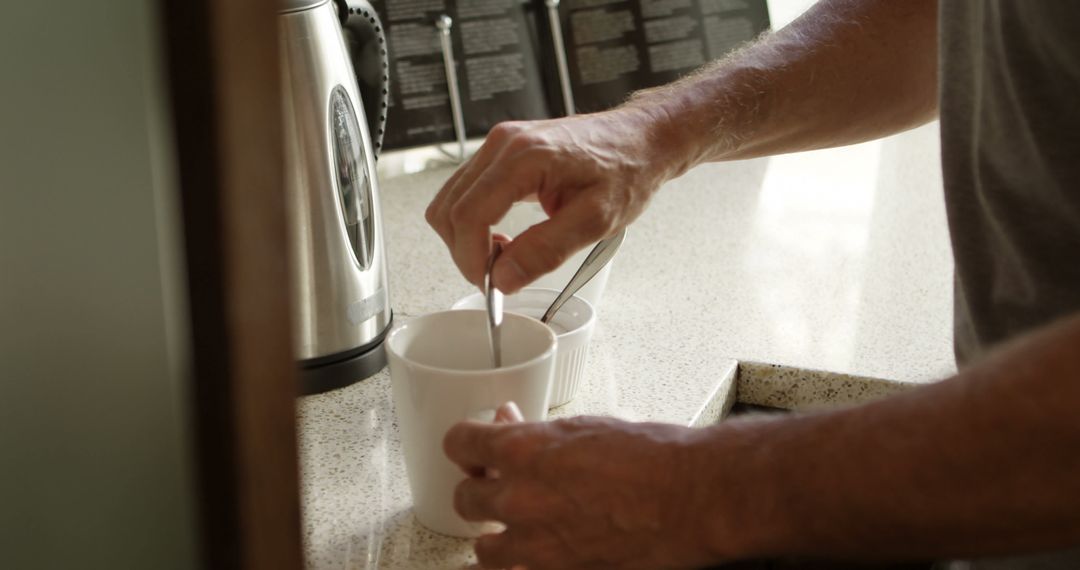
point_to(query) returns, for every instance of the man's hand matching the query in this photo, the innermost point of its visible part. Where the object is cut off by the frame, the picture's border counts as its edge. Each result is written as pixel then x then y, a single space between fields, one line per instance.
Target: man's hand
pixel 582 493
pixel 593 175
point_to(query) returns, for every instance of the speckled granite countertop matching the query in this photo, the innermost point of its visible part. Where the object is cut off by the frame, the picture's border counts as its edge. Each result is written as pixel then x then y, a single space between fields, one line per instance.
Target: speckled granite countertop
pixel 798 281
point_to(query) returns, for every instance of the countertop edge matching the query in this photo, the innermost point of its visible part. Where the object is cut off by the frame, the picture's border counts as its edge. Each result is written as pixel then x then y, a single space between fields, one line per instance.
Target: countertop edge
pixel 792 388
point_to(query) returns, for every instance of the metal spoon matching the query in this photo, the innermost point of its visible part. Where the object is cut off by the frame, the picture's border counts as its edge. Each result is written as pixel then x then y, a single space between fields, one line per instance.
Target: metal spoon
pixel 597 259
pixel 494 299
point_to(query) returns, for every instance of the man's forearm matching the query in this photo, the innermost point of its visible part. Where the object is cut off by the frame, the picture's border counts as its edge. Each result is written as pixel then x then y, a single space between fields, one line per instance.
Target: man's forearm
pixel 845 72
pixel 985 463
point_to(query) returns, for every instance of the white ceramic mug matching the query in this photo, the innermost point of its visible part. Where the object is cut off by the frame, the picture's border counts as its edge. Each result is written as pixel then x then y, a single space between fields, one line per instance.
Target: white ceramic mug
pixel 573 325
pixel 440 371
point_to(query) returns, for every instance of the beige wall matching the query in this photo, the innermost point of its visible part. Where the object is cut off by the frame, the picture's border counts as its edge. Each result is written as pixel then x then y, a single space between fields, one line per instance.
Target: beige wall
pixel 95 468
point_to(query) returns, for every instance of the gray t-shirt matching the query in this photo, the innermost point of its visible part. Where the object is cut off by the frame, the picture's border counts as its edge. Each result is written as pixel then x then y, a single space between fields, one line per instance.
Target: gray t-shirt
pixel 1010 141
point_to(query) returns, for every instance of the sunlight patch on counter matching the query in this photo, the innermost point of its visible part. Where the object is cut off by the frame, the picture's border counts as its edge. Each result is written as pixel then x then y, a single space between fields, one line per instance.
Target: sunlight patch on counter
pixel 809 241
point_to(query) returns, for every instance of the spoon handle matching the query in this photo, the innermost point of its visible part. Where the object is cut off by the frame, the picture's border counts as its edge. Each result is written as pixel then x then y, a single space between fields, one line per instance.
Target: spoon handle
pixel 596 260
pixel 494 303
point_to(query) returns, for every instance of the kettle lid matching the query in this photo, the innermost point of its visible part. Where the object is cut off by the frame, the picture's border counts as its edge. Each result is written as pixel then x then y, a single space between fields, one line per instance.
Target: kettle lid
pixel 286 6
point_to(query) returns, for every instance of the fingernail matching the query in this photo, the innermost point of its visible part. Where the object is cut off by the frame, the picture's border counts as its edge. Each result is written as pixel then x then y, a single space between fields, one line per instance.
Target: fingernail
pixel 514 411
pixel 508 274
pixel 509 413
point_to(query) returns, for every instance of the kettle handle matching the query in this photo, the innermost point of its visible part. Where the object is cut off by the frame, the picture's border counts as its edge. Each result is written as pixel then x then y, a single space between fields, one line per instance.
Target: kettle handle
pixel 365 39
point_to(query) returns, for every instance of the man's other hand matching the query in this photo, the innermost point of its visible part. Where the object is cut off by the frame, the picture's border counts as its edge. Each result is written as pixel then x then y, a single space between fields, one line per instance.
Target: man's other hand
pixel 582 493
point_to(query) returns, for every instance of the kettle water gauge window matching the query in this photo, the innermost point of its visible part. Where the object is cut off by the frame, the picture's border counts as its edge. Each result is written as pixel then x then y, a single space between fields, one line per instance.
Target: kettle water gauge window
pixel 353 187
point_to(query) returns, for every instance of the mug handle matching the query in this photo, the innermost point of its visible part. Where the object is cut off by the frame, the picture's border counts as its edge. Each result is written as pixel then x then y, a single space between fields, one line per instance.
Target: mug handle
pixel 365 40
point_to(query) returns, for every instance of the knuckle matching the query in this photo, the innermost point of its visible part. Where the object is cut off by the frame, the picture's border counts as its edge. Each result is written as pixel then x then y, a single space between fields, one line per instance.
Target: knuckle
pixel 602 222
pixel 524 142
pixel 504 130
pixel 514 504
pixel 461 214
pixel 517 137
pixel 589 422
pixel 516 447
pixel 506 443
pixel 574 424
pixel 431 214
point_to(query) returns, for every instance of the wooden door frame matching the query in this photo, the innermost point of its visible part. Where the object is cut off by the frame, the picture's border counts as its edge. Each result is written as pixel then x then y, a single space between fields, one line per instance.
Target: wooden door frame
pixel 223 76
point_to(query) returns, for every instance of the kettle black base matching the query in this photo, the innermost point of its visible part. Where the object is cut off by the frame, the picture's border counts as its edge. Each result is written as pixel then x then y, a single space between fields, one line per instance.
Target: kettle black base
pixel 318 375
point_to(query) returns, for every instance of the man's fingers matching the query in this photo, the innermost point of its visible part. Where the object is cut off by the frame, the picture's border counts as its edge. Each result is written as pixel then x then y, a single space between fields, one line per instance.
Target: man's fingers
pixel 438 212
pixel 495 550
pixel 476 499
pixel 471 249
pixel 522 547
pixel 501 447
pixel 435 213
pixel 547 245
pixel 471 445
pixel 509 413
pixel 463 180
pixel 511 177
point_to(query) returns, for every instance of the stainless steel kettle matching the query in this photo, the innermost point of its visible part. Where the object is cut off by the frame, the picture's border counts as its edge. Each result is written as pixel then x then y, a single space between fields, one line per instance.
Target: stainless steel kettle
pixel 341 302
